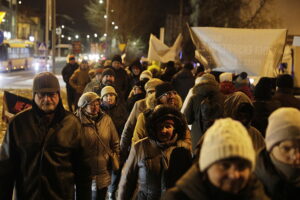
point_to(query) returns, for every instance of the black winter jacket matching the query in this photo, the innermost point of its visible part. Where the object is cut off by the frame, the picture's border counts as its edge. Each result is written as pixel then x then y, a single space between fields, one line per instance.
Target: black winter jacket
pixel 44 162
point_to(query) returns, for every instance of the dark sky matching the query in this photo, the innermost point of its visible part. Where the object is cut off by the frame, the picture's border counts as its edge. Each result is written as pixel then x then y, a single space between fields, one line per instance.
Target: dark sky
pixel 73 8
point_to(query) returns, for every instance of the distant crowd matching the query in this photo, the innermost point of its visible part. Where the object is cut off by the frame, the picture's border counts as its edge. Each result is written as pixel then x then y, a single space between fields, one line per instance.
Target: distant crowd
pixel 150 131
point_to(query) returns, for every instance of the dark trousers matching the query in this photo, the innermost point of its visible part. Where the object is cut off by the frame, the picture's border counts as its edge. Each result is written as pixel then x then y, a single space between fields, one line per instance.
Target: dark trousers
pixel 115 179
pixel 99 194
pixel 71 97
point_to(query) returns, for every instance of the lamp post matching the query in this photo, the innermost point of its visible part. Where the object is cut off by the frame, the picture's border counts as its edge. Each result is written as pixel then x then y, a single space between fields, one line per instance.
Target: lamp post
pixel 51 25
pixel 106 28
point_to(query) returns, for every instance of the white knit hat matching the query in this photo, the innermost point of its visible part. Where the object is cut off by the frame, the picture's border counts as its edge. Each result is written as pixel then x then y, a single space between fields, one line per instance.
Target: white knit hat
pixel 226 76
pixel 108 90
pixel 284 124
pixel 146 74
pixel 226 138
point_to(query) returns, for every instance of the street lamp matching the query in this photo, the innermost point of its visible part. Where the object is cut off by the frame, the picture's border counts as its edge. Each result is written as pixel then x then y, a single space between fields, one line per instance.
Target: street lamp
pixel 69 38
pixel 87 36
pixel 62 36
pixel 76 36
pixel 62 26
pixel 19 2
pixel 101 1
pixel 31 38
pixel 95 35
pixel 116 27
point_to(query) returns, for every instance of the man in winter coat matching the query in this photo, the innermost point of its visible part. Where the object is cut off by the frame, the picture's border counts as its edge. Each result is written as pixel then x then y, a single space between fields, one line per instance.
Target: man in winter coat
pixel 79 79
pixel 67 72
pixel 43 153
pixel 278 165
pixel 107 77
pixel 121 78
pixel 224 170
pixel 153 162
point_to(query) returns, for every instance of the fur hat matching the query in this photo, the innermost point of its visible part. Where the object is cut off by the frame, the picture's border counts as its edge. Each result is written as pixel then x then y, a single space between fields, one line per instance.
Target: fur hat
pixel 284 124
pixel 162 113
pixel 162 89
pixel 146 74
pixel 45 82
pixel 152 83
pixel 87 98
pixel 226 138
pixel 108 90
pixel 226 76
pixel 205 77
pixel 116 58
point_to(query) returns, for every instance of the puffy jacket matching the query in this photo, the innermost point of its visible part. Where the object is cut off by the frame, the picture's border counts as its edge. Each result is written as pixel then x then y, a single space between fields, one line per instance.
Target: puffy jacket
pixel 183 81
pixel 104 127
pixel 45 162
pixel 144 166
pixel 67 72
pixel 79 80
pixel 193 186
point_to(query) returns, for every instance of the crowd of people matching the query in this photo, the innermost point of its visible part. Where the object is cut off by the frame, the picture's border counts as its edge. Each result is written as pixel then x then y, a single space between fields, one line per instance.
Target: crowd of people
pixel 154 132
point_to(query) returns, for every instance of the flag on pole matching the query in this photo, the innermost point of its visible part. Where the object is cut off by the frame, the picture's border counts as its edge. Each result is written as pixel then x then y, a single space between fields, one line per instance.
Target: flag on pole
pixel 13 104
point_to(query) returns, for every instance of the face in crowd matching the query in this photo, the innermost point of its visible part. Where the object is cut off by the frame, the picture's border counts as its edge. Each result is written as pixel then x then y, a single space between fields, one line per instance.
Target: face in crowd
pixel 108 79
pixel 136 70
pixel 84 65
pixel 137 90
pixel 288 152
pixel 116 64
pixel 165 130
pixel 72 61
pixel 230 175
pixel 93 108
pixel 109 99
pixel 47 101
pixel 169 98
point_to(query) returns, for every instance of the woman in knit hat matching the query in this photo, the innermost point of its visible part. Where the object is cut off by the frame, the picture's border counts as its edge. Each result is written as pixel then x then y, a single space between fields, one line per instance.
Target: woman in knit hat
pixel 224 170
pixel 156 162
pixel 101 136
pixel 137 93
pixel 278 165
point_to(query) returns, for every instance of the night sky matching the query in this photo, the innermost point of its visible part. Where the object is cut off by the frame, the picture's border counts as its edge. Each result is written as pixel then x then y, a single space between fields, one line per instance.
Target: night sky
pixel 73 8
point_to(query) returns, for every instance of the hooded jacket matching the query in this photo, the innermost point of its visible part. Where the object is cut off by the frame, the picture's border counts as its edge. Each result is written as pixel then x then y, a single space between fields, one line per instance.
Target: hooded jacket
pixel 275 184
pixel 153 165
pixel 45 162
pixel 193 186
pixel 104 127
pixel 193 108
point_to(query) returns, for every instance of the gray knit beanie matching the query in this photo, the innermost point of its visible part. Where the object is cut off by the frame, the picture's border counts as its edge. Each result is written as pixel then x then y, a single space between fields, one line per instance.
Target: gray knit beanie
pixel 284 124
pixel 87 98
pixel 45 82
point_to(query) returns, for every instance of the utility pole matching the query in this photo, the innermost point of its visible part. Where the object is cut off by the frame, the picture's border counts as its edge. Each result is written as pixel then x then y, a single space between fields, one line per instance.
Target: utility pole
pixel 106 28
pixel 53 34
pixel 47 27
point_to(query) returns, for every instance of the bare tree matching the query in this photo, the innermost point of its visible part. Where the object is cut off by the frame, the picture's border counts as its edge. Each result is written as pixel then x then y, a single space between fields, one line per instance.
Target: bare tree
pixel 95 15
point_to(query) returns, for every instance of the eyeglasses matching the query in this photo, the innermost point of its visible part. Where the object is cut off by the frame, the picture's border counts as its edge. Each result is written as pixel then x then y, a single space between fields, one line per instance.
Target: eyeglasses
pixel 48 94
pixel 94 105
pixel 288 150
pixel 170 93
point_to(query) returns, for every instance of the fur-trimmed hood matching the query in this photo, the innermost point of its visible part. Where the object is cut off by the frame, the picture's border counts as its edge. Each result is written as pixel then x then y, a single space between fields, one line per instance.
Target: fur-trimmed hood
pixel 151 101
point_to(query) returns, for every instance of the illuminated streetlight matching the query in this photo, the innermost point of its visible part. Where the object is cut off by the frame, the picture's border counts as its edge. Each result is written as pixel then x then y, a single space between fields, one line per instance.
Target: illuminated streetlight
pixel 62 36
pixel 104 34
pixel 113 23
pixel 101 1
pixel 116 27
pixel 105 16
pixel 95 35
pixel 87 36
pixel 31 38
pixel 62 26
pixel 76 36
pixel 69 38
pixel 19 2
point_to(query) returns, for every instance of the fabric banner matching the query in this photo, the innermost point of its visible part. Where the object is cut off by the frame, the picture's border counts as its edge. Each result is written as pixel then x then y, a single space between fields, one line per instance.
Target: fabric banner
pixel 158 51
pixel 255 51
pixel 13 104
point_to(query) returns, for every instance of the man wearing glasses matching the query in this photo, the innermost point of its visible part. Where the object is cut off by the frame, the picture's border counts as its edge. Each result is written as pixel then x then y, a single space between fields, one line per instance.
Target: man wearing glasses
pixel 278 166
pixel 43 153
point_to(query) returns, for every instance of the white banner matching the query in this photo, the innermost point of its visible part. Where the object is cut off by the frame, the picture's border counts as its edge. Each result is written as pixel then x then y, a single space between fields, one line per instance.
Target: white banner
pixel 160 52
pixel 255 51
